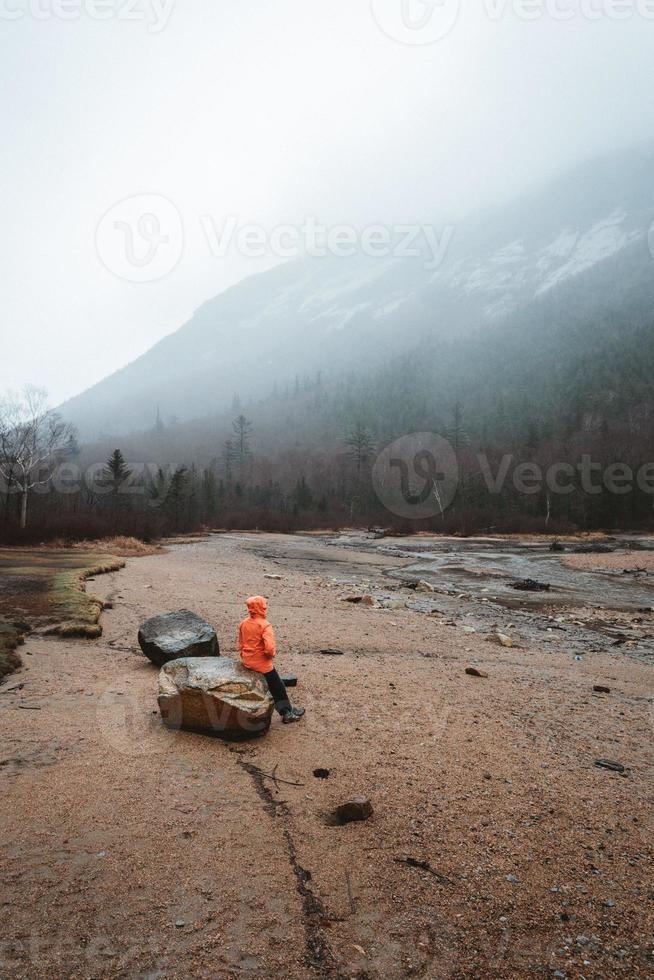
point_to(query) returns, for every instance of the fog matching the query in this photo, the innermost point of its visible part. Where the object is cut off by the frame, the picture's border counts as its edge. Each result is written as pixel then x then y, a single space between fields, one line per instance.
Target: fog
pixel 271 113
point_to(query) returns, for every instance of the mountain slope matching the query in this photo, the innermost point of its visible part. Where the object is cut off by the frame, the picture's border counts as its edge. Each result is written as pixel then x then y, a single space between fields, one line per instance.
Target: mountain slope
pixel 566 249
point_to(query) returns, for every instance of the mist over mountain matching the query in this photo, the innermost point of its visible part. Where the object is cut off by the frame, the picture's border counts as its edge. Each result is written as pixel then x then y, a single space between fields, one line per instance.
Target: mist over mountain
pixel 576 248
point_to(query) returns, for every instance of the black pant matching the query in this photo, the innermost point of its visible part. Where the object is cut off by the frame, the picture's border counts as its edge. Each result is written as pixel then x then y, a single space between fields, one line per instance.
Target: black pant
pixel 278 690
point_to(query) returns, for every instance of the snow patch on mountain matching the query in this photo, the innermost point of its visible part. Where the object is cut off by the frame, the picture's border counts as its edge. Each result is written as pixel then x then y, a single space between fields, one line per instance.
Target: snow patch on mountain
pixel 603 240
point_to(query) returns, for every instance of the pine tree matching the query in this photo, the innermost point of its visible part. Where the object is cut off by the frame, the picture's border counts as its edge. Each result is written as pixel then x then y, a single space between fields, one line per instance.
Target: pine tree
pixel 242 430
pixel 116 472
pixel 456 432
pixel 302 495
pixel 360 445
pixel 228 457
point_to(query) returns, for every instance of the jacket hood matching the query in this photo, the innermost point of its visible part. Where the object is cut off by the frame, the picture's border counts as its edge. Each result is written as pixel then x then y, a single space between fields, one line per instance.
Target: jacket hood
pixel 257 605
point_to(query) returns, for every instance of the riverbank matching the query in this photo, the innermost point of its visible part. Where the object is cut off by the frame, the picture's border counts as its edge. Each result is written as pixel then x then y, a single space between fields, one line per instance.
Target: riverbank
pixel 498 848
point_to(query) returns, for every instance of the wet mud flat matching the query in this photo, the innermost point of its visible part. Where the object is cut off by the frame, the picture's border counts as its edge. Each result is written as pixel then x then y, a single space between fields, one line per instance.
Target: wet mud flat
pixel 478 584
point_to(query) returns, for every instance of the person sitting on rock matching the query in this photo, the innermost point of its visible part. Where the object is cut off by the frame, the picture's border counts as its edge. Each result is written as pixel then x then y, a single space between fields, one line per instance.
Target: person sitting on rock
pixel 256 640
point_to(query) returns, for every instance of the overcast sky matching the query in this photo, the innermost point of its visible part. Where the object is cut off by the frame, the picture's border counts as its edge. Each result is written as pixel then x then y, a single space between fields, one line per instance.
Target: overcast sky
pixel 269 112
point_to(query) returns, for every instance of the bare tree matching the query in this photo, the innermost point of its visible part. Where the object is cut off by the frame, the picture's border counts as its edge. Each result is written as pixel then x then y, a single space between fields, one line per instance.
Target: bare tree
pixel 33 440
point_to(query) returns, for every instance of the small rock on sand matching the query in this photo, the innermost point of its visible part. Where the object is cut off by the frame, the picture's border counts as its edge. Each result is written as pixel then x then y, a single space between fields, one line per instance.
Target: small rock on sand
pixel 609 764
pixel 501 639
pixel 473 672
pixel 357 809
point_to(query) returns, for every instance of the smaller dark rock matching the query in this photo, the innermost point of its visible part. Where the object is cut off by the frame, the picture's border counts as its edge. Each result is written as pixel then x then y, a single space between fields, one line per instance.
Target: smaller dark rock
pixel 321 773
pixel 329 652
pixel 357 809
pixel 610 764
pixel 473 672
pixel 531 585
pixel 600 689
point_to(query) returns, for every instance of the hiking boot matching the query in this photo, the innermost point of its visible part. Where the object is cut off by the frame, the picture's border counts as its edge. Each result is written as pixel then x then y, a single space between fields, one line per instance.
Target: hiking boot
pixel 293 715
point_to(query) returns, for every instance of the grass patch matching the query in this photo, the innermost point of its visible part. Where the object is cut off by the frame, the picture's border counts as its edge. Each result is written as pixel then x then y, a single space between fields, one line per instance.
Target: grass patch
pixel 10 638
pixel 77 611
pixel 120 545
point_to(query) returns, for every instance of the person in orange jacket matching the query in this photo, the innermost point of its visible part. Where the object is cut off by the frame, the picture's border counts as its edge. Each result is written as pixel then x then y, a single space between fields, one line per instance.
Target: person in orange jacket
pixel 256 640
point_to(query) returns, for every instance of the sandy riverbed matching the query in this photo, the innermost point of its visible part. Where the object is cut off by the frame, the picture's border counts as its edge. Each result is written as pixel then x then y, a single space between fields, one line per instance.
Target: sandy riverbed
pixel 130 851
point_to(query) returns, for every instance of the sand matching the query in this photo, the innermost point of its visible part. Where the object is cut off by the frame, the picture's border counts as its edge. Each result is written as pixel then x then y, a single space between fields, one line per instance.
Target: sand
pixel 131 851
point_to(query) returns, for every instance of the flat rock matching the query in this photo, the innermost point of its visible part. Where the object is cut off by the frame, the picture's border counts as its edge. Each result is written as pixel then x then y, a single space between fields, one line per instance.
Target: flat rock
pixel 177 634
pixel 214 696
pixel 501 639
pixel 473 672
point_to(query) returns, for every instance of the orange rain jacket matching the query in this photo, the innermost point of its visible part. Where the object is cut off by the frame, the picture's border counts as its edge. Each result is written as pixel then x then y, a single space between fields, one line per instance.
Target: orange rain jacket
pixel 256 638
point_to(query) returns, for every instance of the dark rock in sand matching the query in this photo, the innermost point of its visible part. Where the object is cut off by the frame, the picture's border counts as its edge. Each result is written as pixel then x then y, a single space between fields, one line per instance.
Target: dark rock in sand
pixel 610 764
pixel 177 634
pixel 331 652
pixel 356 809
pixel 214 696
pixel 531 585
pixel 473 672
pixel 600 689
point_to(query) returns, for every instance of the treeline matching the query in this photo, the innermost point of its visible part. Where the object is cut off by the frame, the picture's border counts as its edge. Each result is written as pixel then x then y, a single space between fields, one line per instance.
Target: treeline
pixel 551 425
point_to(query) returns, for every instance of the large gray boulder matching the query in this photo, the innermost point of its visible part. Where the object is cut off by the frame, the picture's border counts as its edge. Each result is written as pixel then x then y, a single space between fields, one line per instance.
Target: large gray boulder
pixel 177 634
pixel 215 696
